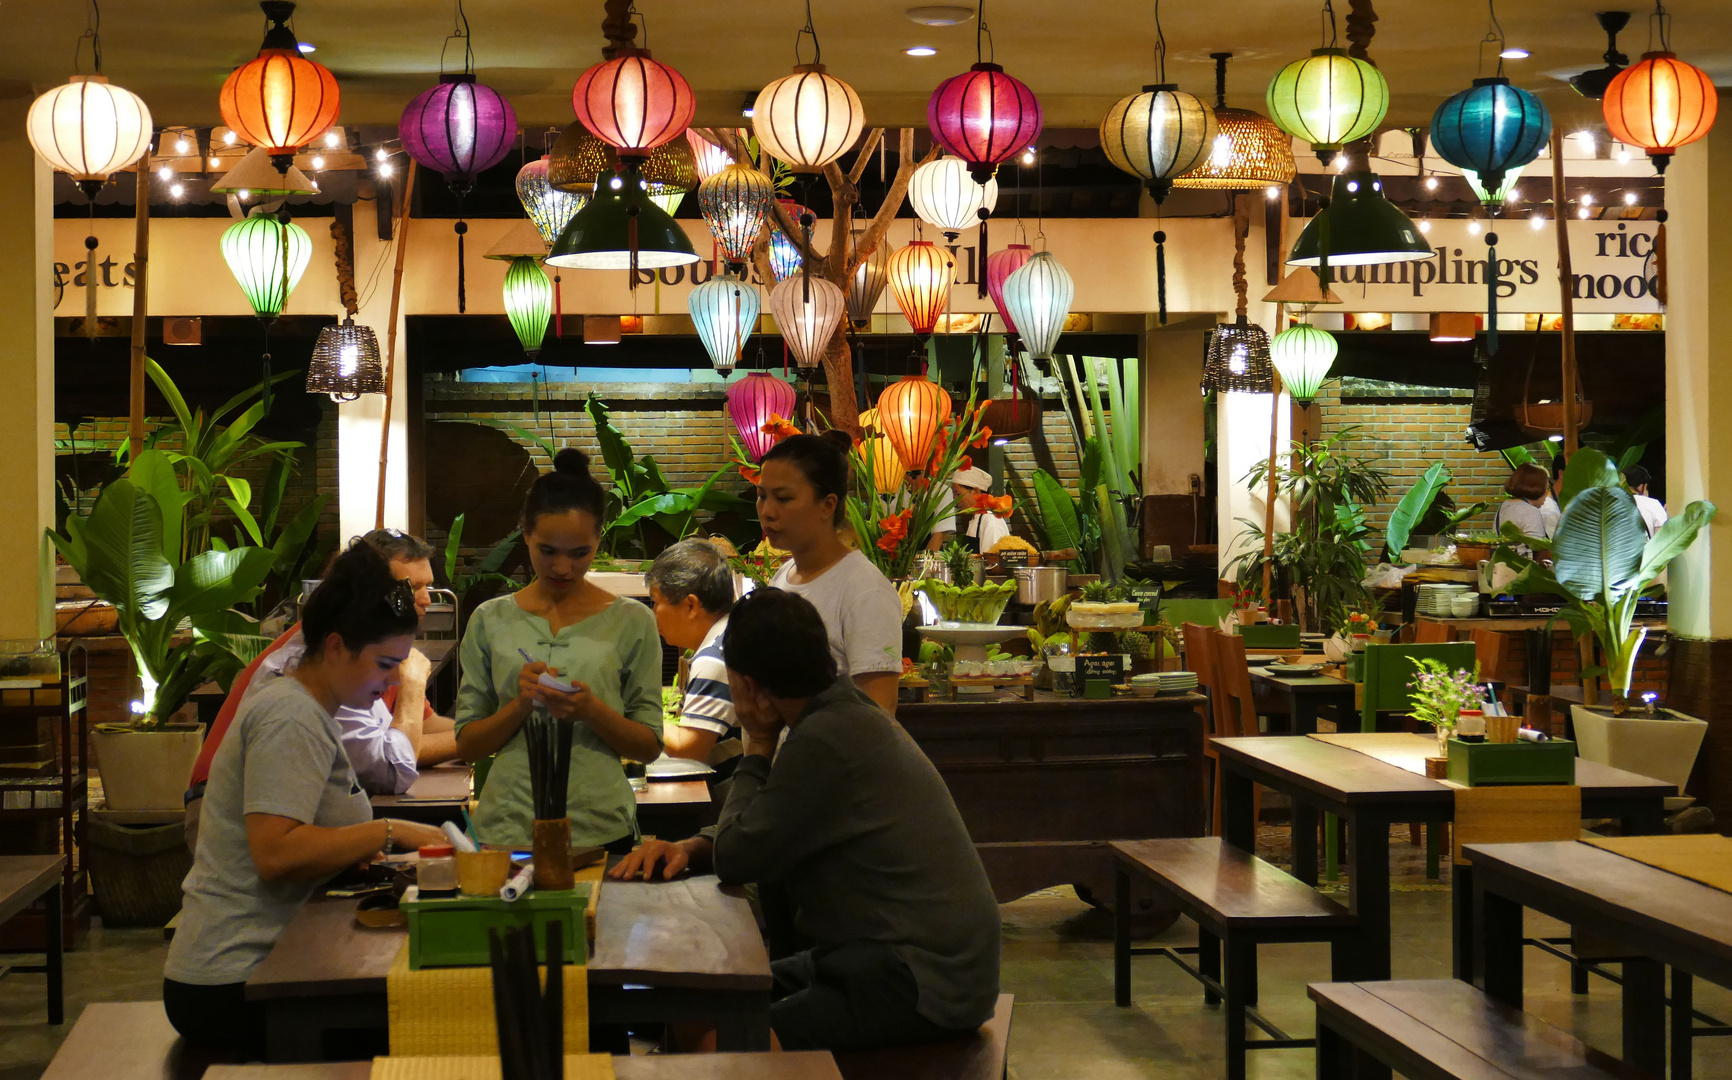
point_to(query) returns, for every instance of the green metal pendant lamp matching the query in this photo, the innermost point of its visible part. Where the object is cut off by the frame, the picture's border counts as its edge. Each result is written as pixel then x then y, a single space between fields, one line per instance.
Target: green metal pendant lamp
pixel 622 229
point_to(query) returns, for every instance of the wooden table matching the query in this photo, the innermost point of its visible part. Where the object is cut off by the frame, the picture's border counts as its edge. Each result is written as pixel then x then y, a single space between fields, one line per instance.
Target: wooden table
pixel 208 697
pixel 673 809
pixel 789 1065
pixel 1045 785
pixel 24 879
pixel 1306 693
pixel 1370 796
pixel 1665 918
pixel 687 949
pixel 684 949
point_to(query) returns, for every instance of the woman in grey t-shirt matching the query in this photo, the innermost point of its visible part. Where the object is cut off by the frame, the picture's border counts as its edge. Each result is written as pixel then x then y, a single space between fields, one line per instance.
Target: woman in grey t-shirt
pixel 800 503
pixel 283 811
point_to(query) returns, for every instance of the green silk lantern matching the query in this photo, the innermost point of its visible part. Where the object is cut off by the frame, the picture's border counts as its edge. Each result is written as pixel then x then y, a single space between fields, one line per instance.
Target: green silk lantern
pixel 267 258
pixel 1328 99
pixel 1303 355
pixel 528 302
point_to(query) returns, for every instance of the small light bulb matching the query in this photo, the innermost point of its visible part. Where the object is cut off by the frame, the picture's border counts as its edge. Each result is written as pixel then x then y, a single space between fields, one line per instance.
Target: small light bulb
pixel 1587 138
pixel 380 154
pixel 1623 155
pixel 318 162
pixel 181 146
pixel 315 184
pixel 921 50
pixel 746 112
pixel 1431 183
pixel 1629 198
pixel 1272 192
pixel 1340 163
pixel 306 47
pixel 176 190
pixel 165 173
pixel 1536 222
pixel 1515 195
pixel 243 193
pixel 385 169
pixel 1554 438
pixel 1473 228
pixel 228 138
pixel 1424 225
pixel 331 139
pixel 1028 156
pixel 1352 185
pixel 214 162
pixel 1513 54
pixel 1582 213
pixel 615 183
pixel 1587 200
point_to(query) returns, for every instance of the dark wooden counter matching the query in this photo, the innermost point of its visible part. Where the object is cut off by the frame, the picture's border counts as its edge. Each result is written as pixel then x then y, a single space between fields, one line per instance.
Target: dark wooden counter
pixel 1044 785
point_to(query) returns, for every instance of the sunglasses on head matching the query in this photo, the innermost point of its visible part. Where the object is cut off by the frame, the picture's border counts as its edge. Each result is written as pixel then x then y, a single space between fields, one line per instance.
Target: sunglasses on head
pixel 401 598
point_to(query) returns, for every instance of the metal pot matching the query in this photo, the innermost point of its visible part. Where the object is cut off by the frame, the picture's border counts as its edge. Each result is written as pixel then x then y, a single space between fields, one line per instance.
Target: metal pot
pixel 1035 584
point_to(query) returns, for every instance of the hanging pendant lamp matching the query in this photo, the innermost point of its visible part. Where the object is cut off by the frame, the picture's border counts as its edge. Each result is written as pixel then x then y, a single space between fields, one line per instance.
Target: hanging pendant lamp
pixel 734 202
pixel 1660 103
pixel 911 412
pixel 1363 229
pixel 808 313
pixel 1249 151
pixel 1303 355
pixel 867 285
pixel 346 362
pixel 528 303
pixel 621 229
pixel 1161 133
pixel 1490 128
pixel 267 255
pixel 920 277
pixel 89 129
pixel 1238 359
pixel 1037 300
pixel 983 116
pixel 632 102
pixel 725 311
pixel 751 402
pixel 1328 99
pixel 279 100
pixel 947 198
pixel 999 266
pixel 810 118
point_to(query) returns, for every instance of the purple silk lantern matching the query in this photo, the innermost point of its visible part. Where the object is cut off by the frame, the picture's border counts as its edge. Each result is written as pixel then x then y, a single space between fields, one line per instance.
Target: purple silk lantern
pixel 458 129
pixel 751 403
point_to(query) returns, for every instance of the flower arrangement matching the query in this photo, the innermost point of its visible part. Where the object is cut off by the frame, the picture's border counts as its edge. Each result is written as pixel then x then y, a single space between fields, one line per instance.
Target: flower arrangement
pixel 1440 693
pixel 1245 599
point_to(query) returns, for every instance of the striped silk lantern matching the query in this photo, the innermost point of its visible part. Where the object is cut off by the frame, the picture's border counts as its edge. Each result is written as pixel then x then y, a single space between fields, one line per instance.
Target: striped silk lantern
pixel 725 310
pixel 808 311
pixel 633 103
pixel 868 282
pixel 1158 135
pixel 1490 128
pixel 807 119
pixel 920 276
pixel 1038 297
pixel 528 303
pixel 911 412
pixel 279 100
pixel 983 116
pixel 89 129
pixel 999 266
pixel 267 258
pixel 708 158
pixel 1328 99
pixel 887 468
pixel 1660 103
pixel 947 198
pixel 1303 355
pixel 734 203
pixel 751 402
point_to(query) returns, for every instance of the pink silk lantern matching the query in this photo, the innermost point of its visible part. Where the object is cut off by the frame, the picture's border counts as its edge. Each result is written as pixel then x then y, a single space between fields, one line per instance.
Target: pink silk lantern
pixel 999 266
pixel 633 103
pixel 983 116
pixel 751 403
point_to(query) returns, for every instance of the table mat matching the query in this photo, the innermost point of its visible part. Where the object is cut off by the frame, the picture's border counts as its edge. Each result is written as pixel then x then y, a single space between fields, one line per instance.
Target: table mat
pixel 1705 858
pixel 1402 749
pixel 437 1012
pixel 404 1067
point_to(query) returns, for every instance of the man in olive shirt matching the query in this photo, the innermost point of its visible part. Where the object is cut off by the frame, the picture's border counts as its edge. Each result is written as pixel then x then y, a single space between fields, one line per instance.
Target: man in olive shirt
pixel 855 824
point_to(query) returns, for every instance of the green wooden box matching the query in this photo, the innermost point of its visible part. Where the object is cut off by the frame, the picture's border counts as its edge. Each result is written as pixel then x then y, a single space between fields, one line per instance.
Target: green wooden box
pixel 1477 764
pixel 452 932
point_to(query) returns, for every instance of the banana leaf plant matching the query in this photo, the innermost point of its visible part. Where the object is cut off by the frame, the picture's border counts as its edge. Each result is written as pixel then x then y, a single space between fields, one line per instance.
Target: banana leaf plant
pixel 130 552
pixel 1602 562
pixel 1427 509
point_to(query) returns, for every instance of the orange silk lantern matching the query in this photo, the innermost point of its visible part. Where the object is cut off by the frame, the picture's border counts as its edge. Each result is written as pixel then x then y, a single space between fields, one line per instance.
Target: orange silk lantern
pixel 1659 104
pixel 911 411
pixel 279 101
pixel 920 280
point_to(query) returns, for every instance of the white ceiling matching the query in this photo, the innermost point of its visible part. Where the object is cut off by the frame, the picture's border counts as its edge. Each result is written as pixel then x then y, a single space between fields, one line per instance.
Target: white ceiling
pixel 1078 56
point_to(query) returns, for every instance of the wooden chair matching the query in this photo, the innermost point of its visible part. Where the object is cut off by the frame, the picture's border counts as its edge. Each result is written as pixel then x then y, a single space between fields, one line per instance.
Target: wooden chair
pixel 1518 814
pixel 1235 710
pixel 1268 636
pixel 1488 650
pixel 1430 633
pixel 1200 659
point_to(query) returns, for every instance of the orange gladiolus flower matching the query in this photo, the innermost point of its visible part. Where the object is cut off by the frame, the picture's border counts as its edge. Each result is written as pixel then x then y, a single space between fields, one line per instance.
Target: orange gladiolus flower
pixel 984 440
pixel 1000 505
pixel 778 428
pixel 893 530
pixel 751 473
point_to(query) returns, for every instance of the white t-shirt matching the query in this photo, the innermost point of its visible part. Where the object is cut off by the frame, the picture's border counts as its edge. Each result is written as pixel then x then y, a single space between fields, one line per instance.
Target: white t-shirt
pixel 1653 512
pixel 989 527
pixel 860 610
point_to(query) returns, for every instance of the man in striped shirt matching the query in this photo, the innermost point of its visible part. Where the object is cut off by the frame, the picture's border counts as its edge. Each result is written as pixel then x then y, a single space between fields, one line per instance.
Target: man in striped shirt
pixel 692 588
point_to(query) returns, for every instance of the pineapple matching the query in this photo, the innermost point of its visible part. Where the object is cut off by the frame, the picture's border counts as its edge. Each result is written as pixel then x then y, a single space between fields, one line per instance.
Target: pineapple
pixel 1098 592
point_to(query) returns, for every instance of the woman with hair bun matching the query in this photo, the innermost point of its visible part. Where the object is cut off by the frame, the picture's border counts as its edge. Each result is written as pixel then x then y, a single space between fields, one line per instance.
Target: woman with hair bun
pixel 802 488
pixel 605 647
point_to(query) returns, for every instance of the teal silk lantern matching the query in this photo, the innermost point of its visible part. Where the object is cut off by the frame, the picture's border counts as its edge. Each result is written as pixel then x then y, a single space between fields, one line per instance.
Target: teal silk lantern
pixel 1303 355
pixel 725 310
pixel 528 302
pixel 1491 127
pixel 1037 298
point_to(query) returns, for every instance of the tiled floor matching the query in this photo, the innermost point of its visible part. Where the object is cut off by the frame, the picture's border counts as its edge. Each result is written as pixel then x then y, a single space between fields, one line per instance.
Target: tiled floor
pixel 1058 963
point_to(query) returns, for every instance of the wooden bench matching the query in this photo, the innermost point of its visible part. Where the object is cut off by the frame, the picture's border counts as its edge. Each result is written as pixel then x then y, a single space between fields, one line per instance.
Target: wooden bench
pixel 1237 900
pixel 978 1057
pixel 1444 1029
pixel 130 1040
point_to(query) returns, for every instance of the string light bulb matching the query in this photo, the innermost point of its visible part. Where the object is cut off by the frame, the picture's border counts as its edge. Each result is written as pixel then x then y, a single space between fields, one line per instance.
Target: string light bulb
pixel 181 146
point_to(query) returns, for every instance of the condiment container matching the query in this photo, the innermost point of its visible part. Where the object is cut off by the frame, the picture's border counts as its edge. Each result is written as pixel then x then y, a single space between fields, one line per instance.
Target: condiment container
pixel 436 872
pixel 1470 725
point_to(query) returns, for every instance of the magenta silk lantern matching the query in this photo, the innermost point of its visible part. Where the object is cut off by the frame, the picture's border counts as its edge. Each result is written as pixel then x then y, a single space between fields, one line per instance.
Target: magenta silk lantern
pixel 633 103
pixel 751 403
pixel 983 116
pixel 458 129
pixel 999 266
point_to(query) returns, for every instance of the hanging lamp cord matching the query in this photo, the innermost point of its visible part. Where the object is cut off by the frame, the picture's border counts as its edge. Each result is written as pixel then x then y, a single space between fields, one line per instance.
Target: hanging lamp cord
pixel 1160 45
pixel 93 34
pixel 812 32
pixel 1220 59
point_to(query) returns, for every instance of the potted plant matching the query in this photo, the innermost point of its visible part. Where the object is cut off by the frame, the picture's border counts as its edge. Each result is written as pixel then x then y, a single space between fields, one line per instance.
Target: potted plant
pixel 1601 562
pixel 1440 694
pixel 1427 510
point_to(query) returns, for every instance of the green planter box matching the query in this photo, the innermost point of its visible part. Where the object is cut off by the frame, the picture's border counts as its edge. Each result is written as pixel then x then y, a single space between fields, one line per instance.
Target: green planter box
pixel 1477 764
pixel 453 932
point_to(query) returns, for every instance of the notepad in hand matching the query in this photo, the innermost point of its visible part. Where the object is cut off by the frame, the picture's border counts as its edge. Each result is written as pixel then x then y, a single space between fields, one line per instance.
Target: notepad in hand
pixel 554 684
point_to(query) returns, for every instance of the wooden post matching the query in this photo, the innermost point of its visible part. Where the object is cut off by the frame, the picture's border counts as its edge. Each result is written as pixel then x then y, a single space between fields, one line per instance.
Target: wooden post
pixel 391 339
pixel 140 308
pixel 1269 499
pixel 1566 291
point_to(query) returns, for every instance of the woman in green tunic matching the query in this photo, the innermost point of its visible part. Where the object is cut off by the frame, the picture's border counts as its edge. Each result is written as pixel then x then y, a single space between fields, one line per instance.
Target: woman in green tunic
pixel 604 646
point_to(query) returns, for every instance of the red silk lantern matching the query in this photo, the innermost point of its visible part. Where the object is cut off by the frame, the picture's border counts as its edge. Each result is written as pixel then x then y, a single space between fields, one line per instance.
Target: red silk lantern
pixel 920 280
pixel 633 103
pixel 911 412
pixel 999 266
pixel 279 100
pixel 983 116
pixel 751 403
pixel 1660 103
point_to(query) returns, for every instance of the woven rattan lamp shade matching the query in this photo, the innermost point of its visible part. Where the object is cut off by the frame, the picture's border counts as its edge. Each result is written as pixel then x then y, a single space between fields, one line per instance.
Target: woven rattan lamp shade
pixel 576 159
pixel 345 362
pixel 1249 152
pixel 1238 360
